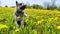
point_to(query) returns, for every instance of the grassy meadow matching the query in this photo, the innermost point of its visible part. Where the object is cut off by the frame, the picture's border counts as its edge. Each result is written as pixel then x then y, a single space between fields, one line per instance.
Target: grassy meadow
pixel 37 22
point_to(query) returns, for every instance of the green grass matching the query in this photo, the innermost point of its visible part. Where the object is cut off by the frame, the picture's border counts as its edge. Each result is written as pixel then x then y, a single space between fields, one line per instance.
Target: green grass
pixel 37 22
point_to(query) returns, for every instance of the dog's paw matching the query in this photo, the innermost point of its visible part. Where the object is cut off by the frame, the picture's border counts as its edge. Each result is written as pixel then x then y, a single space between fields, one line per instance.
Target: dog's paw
pixel 25 14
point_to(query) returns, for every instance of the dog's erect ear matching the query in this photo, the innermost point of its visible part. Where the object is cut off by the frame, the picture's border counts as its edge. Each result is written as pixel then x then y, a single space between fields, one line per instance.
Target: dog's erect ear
pixel 16 2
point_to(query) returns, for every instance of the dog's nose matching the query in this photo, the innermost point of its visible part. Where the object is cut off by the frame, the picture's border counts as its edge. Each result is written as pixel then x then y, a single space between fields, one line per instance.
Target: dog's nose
pixel 20 3
pixel 23 7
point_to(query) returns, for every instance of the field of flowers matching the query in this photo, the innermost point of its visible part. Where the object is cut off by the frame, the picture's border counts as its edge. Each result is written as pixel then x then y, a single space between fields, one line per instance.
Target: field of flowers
pixel 37 22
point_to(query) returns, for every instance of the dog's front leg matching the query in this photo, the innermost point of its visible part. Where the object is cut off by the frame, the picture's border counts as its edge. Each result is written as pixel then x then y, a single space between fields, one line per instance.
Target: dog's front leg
pixel 16 20
pixel 25 14
pixel 16 24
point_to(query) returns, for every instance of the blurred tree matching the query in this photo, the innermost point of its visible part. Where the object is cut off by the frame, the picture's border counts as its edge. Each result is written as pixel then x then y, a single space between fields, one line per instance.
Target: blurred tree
pixel 58 8
pixel 28 5
pixel 12 6
pixel 6 6
pixel 36 6
pixel 47 5
pixel 53 6
pixel 50 6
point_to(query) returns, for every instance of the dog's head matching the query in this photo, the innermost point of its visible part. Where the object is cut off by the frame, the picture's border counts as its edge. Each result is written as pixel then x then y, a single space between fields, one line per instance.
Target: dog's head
pixel 20 6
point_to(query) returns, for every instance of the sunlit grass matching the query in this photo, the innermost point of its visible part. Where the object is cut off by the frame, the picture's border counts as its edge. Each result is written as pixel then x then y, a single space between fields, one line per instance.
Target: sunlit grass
pixel 37 22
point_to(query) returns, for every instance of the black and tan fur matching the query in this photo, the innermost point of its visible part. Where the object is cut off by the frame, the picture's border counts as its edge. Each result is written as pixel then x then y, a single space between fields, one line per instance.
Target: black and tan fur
pixel 19 12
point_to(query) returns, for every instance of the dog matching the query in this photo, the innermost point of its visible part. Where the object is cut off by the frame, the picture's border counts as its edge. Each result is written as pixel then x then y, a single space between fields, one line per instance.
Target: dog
pixel 19 13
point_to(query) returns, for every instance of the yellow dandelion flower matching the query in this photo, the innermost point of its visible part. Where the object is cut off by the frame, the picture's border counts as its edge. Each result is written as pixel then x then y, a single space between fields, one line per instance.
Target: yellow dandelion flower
pixel 56 18
pixel 0 25
pixel 39 22
pixel 17 30
pixel 3 27
pixel 42 20
pixel 50 19
pixel 58 27
pixel 37 17
pixel 1 18
pixel 18 17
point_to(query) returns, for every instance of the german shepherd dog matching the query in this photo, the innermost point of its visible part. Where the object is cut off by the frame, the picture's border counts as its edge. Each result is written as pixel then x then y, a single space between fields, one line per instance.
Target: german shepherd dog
pixel 19 13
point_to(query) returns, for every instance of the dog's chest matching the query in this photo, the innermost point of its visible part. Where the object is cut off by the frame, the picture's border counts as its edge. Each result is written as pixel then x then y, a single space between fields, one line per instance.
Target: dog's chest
pixel 21 14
